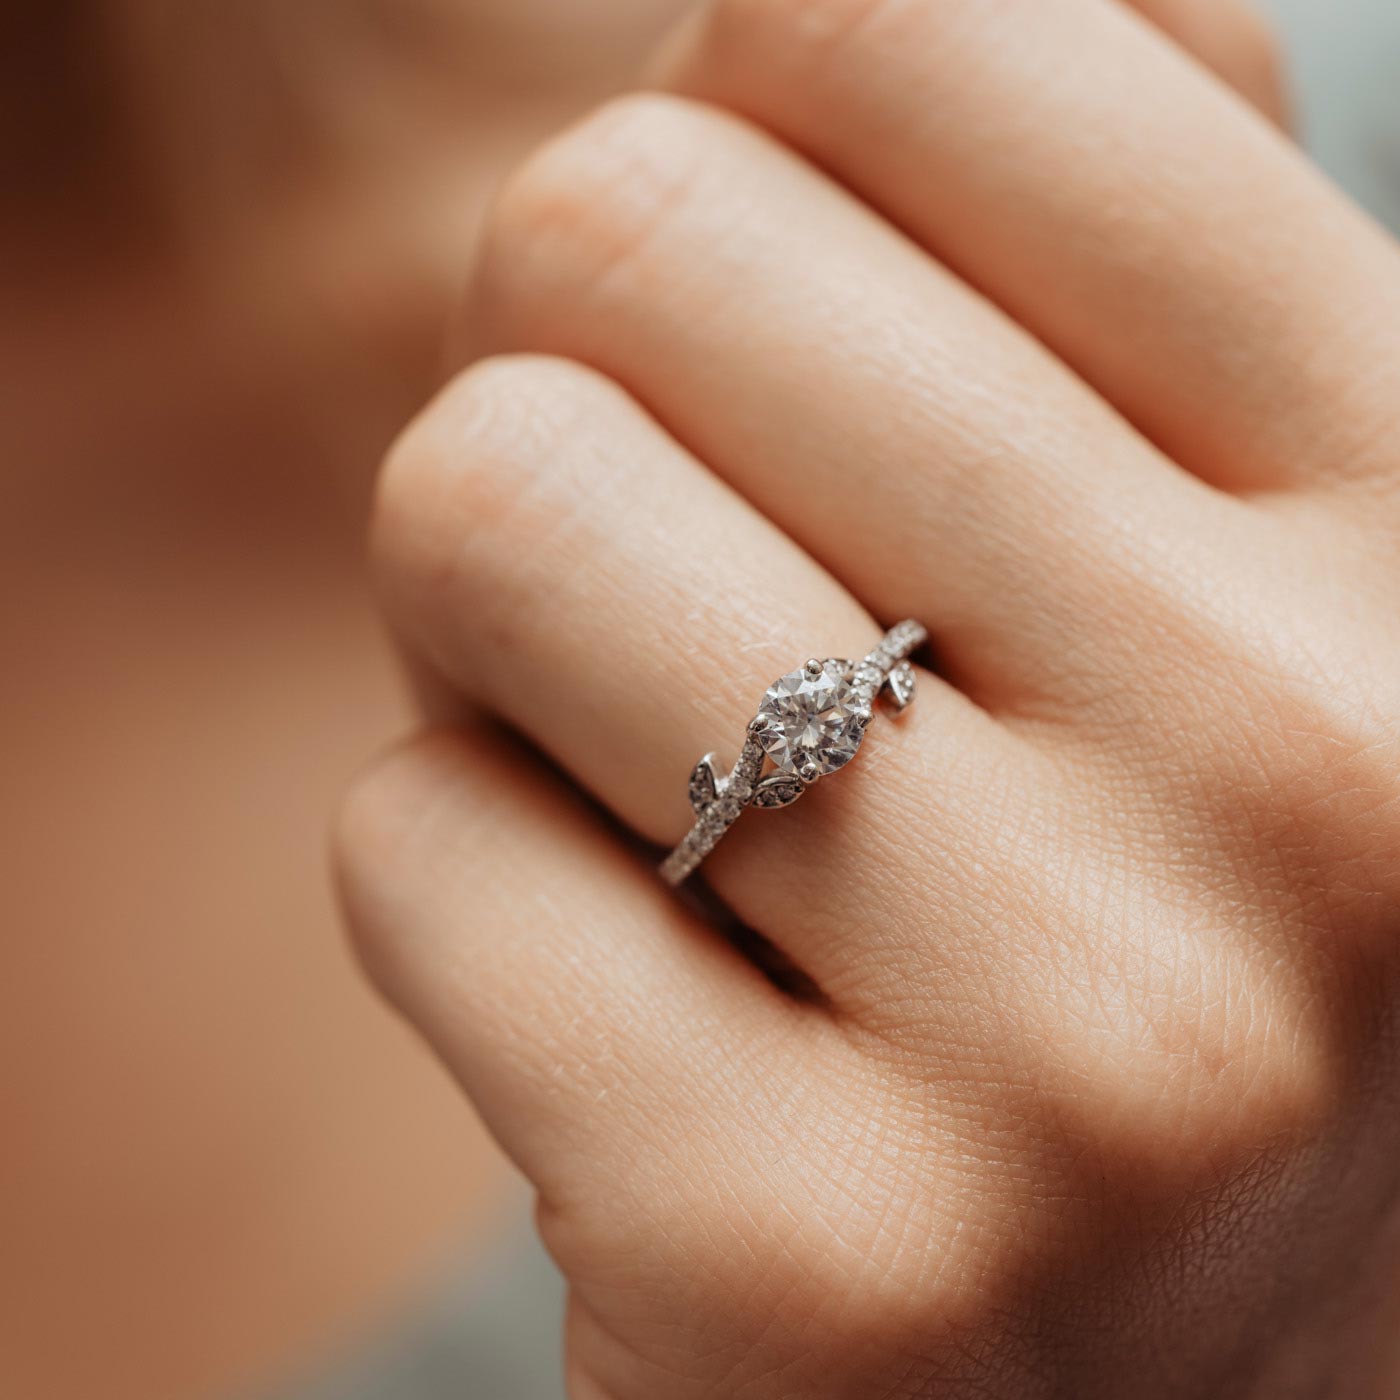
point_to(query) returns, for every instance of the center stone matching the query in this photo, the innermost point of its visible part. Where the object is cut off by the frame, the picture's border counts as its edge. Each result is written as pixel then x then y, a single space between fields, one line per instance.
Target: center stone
pixel 821 716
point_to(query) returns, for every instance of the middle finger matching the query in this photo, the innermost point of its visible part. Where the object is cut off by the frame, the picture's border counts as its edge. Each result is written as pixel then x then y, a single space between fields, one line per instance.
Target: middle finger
pixel 934 456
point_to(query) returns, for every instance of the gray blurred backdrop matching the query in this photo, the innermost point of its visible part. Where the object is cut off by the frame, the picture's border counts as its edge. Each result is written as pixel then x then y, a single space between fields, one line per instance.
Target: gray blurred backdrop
pixel 492 1331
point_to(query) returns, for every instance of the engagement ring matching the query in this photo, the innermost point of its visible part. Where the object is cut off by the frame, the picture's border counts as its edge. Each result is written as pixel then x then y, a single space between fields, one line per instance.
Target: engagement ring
pixel 811 723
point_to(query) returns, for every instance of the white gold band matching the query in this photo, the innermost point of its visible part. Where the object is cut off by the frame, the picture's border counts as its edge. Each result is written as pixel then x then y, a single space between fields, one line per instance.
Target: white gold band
pixel 811 722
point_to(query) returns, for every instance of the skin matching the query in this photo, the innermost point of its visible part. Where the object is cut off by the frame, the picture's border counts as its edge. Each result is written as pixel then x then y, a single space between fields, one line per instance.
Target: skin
pixel 241 347
pixel 1013 319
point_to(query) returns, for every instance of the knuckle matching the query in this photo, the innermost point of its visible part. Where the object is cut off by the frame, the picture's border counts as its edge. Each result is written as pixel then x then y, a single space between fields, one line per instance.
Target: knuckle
pixel 811 23
pixel 1172 1051
pixel 892 1283
pixel 1278 760
pixel 433 810
pixel 1308 773
pixel 589 200
pixel 376 820
pixel 803 47
pixel 460 475
pixel 1200 1079
pixel 364 822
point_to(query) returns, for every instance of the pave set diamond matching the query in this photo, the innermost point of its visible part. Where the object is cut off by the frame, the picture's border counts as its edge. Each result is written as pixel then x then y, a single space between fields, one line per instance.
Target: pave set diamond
pixel 810 723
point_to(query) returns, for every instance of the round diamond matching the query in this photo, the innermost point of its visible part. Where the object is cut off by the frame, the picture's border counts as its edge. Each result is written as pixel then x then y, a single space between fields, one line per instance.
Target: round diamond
pixel 813 718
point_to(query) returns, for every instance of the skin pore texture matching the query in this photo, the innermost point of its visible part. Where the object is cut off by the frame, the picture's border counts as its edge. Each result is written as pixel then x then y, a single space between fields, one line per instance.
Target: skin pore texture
pixel 1012 318
pixel 227 271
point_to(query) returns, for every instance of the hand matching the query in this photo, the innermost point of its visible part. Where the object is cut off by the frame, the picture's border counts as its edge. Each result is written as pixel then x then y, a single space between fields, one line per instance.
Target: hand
pixel 1005 317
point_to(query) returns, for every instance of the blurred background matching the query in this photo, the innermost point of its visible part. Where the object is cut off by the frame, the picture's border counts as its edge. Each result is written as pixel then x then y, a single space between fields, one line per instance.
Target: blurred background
pixel 230 230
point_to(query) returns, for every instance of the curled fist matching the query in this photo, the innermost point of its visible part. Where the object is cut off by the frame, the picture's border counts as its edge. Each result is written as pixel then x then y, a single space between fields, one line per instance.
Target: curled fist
pixel 1057 1055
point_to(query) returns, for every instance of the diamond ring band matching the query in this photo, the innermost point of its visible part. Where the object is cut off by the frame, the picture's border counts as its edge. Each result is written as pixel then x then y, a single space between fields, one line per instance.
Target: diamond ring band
pixel 810 723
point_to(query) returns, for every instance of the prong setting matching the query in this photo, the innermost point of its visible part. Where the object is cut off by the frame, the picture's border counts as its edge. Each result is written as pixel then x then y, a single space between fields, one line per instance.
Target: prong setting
pixel 811 722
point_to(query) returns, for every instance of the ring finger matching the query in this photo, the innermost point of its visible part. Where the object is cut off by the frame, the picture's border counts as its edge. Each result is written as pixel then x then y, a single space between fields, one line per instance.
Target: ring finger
pixel 550 550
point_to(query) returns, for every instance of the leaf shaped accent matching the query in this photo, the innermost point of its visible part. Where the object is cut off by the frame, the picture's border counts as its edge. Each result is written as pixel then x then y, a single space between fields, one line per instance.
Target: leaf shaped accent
pixel 777 790
pixel 901 686
pixel 704 784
